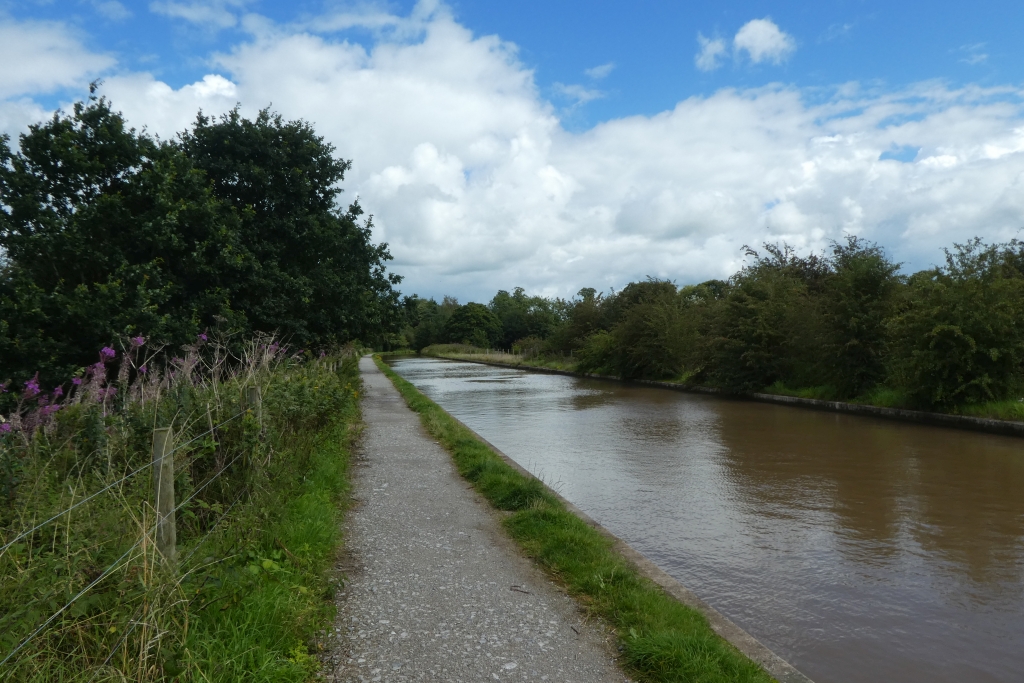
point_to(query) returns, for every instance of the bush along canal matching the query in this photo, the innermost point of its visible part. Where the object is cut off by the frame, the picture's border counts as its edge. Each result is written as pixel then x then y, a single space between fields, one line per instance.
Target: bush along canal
pixel 857 548
pixel 661 639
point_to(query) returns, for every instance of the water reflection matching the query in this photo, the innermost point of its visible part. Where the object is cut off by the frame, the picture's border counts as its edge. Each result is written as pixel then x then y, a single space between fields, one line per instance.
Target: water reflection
pixel 860 549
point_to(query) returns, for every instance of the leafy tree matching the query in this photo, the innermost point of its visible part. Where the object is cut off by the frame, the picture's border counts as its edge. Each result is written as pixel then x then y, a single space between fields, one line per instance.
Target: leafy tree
pixel 582 317
pixel 648 335
pixel 959 338
pixel 858 300
pixel 766 327
pixel 313 276
pixel 105 232
pixel 522 316
pixel 473 324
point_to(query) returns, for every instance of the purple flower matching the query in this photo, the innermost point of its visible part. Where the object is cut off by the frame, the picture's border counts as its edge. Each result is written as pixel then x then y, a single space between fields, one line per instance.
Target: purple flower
pixel 32 386
pixel 138 341
pixel 58 391
pixel 203 336
pixel 3 387
pixel 142 369
pixel 5 428
pixel 106 353
pixel 76 381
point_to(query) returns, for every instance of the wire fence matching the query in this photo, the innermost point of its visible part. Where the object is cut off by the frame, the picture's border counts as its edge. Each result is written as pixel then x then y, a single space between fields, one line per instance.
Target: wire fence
pixel 106 488
pixel 120 561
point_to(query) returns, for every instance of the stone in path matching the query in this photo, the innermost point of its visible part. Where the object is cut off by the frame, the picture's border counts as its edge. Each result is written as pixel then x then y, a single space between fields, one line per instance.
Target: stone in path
pixel 435 590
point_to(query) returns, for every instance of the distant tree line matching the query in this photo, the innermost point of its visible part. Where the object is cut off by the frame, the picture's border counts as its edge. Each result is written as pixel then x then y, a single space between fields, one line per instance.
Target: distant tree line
pixel 232 227
pixel 840 325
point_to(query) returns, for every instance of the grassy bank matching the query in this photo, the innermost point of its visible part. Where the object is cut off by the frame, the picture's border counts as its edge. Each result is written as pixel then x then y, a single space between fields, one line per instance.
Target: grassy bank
pixel 661 639
pixel 259 497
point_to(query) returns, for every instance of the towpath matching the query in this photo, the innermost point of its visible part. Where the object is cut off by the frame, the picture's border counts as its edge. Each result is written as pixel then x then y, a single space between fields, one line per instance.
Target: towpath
pixel 434 589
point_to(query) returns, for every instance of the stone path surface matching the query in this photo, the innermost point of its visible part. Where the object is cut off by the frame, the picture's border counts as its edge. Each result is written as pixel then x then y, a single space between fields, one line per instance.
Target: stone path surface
pixel 434 590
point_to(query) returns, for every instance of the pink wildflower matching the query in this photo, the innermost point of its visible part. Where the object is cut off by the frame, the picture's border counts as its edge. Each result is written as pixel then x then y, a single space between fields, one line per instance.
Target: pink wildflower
pixel 5 428
pixel 106 353
pixel 138 341
pixel 32 386
pixel 76 381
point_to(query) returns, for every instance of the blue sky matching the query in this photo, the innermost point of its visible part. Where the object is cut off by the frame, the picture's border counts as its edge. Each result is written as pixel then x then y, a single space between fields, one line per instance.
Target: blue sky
pixel 569 144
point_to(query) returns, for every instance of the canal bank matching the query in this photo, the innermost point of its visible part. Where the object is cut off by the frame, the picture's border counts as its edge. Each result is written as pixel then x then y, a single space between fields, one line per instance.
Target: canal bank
pixel 665 631
pixel 978 424
pixel 858 549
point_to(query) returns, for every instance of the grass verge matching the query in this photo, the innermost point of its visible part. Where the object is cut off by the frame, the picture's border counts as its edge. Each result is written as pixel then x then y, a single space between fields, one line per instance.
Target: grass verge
pixel 259 501
pixel 661 639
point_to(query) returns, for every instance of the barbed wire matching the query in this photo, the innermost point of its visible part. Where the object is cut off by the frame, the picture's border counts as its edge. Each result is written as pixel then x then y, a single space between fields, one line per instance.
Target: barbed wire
pixel 113 484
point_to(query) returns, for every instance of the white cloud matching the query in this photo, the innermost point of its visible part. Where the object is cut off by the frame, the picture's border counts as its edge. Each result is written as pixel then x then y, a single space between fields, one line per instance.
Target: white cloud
pixel 711 51
pixel 209 14
pixel 974 54
pixel 577 93
pixel 112 9
pixel 43 56
pixel 763 41
pixel 599 72
pixel 476 185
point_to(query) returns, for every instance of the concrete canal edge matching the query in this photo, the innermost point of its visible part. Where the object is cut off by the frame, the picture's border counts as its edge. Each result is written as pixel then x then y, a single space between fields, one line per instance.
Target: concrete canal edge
pixel 780 669
pixel 977 424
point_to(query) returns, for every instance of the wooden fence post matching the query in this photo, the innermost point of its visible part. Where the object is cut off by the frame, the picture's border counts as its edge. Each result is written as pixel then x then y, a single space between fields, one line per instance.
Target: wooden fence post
pixel 254 401
pixel 163 485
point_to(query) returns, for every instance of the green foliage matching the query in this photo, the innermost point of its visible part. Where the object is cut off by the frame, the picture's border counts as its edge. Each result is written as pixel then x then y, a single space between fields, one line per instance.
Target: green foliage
pixel 106 232
pixel 843 325
pixel 859 298
pixel 763 329
pixel 650 337
pixel 958 339
pixel 473 324
pixel 522 316
pixel 312 274
pixel 257 524
pixel 662 639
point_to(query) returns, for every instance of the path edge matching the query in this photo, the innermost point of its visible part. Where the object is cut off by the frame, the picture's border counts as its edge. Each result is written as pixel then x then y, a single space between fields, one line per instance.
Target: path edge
pixel 725 628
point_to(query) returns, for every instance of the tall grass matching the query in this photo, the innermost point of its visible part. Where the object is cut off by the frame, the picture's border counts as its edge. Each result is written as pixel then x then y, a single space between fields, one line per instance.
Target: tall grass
pixel 661 639
pixel 259 498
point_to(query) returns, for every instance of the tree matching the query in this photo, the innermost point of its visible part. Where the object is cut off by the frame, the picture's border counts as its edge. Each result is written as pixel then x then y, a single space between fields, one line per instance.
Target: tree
pixel 473 324
pixel 522 316
pixel 105 232
pixel 959 338
pixel 314 275
pixel 859 298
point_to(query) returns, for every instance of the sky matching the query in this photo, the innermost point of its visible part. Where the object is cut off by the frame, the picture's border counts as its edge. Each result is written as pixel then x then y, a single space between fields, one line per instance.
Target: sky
pixel 560 145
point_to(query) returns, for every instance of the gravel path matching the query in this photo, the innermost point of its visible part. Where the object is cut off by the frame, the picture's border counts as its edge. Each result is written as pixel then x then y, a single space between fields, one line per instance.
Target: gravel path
pixel 435 590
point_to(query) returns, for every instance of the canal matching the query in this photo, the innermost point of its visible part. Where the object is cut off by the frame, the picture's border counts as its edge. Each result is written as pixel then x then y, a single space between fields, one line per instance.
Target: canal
pixel 859 549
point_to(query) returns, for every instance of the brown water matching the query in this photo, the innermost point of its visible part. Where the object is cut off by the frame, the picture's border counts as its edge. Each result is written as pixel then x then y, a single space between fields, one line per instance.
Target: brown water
pixel 859 549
